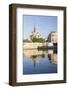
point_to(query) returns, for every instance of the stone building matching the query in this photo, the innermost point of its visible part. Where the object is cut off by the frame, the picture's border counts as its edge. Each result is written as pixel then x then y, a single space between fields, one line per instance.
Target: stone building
pixel 53 37
pixel 35 34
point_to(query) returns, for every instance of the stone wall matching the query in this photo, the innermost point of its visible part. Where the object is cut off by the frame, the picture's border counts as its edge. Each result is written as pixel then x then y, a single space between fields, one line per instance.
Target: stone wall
pixel 28 45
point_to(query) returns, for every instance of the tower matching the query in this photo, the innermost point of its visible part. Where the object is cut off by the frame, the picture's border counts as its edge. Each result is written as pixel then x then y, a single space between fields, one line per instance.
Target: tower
pixel 34 29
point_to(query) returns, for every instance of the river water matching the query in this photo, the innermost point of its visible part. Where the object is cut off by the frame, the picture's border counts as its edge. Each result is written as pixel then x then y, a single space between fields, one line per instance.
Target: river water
pixel 39 62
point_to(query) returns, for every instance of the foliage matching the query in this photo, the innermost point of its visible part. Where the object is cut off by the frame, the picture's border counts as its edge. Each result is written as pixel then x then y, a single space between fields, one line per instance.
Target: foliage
pixel 26 40
pixel 35 39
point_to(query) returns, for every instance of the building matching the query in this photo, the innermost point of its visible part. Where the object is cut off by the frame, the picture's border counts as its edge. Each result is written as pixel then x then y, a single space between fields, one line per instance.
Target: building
pixel 35 34
pixel 53 37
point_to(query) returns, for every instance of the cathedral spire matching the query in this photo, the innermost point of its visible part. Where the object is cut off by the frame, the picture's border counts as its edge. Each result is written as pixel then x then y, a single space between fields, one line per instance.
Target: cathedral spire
pixel 34 29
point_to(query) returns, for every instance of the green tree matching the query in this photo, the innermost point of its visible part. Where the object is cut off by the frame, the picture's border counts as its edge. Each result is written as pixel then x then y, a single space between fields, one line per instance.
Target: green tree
pixel 35 39
pixel 26 40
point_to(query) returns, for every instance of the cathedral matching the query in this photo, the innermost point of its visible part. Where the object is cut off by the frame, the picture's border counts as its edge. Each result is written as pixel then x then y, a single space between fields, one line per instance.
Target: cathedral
pixel 35 34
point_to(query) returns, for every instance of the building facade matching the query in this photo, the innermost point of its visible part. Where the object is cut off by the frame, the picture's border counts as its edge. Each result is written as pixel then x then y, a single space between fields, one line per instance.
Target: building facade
pixel 35 34
pixel 53 37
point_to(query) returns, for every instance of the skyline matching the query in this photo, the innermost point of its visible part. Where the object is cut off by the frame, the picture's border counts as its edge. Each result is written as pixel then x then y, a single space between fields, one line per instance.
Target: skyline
pixel 43 24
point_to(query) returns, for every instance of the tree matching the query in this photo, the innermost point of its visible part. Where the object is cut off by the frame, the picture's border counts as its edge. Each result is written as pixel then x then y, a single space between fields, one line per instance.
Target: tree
pixel 35 39
pixel 26 40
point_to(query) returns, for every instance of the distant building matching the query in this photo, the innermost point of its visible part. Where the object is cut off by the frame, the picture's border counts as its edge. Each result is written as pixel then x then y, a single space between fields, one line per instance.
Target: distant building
pixel 35 34
pixel 53 37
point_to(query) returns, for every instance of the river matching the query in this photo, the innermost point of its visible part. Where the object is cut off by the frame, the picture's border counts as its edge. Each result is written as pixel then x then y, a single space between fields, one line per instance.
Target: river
pixel 39 61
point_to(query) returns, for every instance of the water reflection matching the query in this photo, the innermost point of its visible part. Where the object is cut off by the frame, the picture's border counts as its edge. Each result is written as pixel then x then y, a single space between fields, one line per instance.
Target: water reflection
pixel 37 62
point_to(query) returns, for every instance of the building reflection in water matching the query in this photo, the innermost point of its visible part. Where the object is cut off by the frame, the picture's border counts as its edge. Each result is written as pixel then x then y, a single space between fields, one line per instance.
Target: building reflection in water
pixel 53 57
pixel 35 55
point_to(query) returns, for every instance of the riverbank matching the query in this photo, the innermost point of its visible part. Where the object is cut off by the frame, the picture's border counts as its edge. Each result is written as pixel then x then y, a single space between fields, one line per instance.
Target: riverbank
pixel 31 45
pixel 35 45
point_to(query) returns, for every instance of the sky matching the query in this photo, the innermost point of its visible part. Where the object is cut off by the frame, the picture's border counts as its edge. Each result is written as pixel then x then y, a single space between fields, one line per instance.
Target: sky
pixel 43 24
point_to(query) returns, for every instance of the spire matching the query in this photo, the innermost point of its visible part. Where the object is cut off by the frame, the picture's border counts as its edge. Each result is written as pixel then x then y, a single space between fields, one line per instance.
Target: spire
pixel 34 29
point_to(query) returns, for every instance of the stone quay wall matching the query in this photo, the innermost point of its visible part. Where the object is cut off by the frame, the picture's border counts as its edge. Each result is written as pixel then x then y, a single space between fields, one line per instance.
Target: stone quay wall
pixel 31 45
